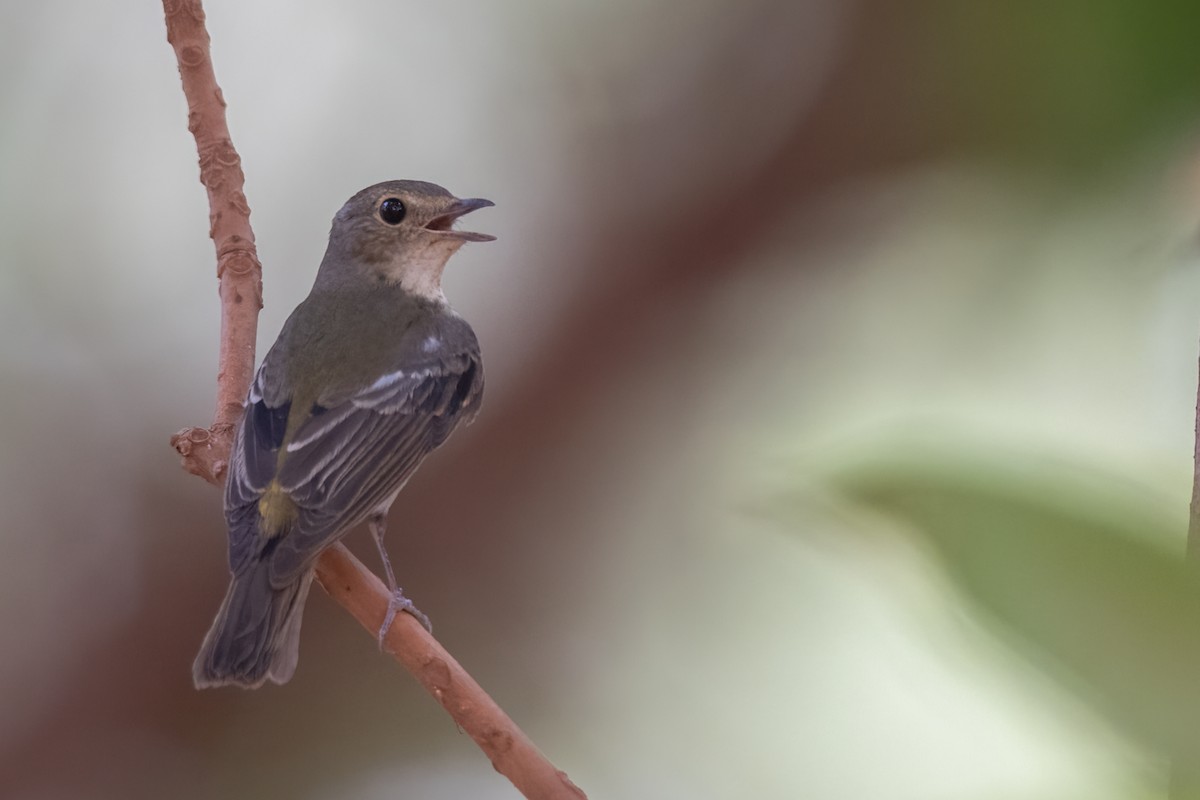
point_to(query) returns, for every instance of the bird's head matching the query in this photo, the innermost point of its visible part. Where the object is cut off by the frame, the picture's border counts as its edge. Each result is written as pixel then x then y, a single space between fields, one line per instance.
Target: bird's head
pixel 400 233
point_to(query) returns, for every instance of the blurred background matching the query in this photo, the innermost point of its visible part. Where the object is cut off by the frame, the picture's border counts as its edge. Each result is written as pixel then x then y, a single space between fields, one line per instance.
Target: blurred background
pixel 841 373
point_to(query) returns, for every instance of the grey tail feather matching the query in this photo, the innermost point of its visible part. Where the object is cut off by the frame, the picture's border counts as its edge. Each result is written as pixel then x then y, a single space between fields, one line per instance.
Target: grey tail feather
pixel 256 635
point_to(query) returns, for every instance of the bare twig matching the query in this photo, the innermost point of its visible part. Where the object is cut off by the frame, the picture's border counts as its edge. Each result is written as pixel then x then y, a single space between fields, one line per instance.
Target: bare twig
pixel 1193 536
pixel 205 451
pixel 1185 777
pixel 511 751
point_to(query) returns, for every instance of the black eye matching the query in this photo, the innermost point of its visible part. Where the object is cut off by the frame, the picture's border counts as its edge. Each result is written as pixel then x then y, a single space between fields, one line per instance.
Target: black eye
pixel 392 211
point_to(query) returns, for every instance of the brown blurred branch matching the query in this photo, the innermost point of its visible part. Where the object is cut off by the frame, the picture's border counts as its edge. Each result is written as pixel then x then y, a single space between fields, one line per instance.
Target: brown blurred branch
pixel 205 451
pixel 1185 776
pixel 1193 535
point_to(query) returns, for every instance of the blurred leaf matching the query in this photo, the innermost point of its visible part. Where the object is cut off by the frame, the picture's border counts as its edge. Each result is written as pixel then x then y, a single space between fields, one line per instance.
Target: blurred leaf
pixel 1073 84
pixel 1076 574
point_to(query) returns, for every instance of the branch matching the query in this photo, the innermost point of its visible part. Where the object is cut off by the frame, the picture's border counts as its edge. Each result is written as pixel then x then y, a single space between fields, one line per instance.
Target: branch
pixel 1184 780
pixel 513 755
pixel 205 451
pixel 1193 534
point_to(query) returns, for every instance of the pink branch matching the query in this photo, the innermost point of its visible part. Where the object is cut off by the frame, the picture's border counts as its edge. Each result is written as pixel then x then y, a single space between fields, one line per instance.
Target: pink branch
pixel 205 451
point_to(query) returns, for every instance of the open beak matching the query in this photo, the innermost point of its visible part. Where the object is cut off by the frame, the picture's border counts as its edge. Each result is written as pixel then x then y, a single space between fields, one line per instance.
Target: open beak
pixel 444 223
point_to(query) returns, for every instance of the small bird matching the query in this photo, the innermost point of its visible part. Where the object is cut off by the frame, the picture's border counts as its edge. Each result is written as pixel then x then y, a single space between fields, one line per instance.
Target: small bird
pixel 370 374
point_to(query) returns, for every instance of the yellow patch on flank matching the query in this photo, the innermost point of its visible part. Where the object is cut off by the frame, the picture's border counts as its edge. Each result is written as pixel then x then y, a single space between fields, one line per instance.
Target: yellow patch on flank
pixel 276 509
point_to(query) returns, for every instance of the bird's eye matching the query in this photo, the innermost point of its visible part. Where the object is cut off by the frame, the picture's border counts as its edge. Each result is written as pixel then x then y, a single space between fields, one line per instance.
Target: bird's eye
pixel 392 211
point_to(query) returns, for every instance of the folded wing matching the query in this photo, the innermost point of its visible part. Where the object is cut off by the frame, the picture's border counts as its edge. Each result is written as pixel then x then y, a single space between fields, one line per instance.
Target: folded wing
pixel 345 460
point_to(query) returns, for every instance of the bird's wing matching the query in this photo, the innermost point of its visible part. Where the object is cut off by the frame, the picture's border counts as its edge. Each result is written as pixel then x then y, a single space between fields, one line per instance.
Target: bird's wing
pixel 346 459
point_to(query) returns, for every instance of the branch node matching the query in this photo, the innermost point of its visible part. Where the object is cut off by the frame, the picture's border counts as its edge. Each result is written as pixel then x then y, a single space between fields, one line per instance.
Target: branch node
pixel 201 451
pixel 191 56
pixel 436 673
pixel 239 262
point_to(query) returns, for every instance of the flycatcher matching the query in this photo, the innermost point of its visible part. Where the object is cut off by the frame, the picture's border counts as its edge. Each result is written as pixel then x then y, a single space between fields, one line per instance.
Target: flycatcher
pixel 370 374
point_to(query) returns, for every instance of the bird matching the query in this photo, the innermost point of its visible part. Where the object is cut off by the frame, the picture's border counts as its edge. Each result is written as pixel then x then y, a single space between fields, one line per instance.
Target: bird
pixel 370 374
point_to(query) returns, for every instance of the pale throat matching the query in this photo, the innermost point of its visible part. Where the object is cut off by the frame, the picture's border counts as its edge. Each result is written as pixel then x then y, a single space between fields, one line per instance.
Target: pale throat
pixel 419 273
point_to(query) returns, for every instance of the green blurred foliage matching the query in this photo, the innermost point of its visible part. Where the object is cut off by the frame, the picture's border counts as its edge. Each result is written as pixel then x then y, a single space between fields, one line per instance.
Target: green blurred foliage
pixel 1070 85
pixel 1073 569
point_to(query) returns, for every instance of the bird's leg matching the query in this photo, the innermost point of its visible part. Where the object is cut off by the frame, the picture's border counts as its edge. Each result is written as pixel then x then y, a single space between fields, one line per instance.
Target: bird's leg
pixel 378 524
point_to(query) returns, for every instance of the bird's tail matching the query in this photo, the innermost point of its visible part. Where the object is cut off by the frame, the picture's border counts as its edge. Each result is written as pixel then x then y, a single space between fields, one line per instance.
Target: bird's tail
pixel 256 635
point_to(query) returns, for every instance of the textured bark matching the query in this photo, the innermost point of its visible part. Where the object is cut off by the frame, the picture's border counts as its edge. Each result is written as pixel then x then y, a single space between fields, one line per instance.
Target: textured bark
pixel 205 451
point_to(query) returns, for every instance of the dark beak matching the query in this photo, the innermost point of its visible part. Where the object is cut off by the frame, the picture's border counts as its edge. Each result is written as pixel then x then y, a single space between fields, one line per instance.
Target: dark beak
pixel 444 223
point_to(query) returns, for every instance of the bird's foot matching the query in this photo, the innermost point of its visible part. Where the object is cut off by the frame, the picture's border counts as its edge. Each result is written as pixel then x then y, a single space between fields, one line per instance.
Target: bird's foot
pixel 396 604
